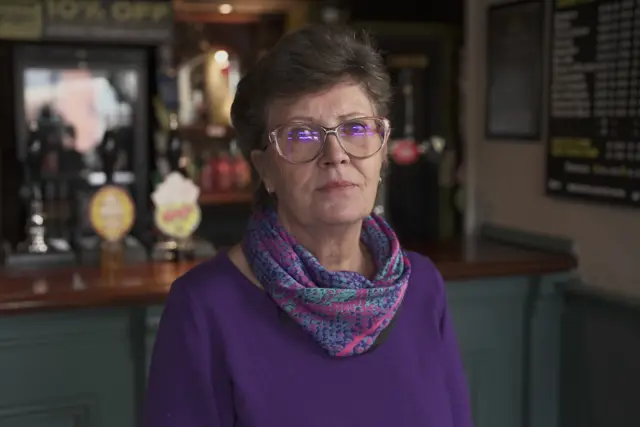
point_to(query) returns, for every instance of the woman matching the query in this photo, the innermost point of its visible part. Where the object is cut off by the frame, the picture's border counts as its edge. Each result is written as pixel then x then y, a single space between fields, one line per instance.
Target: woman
pixel 318 318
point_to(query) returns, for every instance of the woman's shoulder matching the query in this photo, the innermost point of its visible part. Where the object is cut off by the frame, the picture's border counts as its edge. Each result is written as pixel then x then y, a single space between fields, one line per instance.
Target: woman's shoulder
pixel 425 275
pixel 421 264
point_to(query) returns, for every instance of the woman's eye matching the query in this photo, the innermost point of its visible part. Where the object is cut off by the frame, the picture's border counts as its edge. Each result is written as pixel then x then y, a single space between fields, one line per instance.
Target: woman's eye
pixel 354 129
pixel 302 134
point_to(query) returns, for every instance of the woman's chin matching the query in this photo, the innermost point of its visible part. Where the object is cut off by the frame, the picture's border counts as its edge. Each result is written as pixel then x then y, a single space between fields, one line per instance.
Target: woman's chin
pixel 335 214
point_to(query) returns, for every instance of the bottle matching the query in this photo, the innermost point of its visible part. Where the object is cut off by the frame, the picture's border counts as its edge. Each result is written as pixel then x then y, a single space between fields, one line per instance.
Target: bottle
pixel 224 177
pixel 174 146
pixel 207 173
pixel 188 162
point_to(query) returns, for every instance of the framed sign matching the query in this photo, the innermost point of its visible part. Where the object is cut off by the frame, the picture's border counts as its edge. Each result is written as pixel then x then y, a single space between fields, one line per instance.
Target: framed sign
pixel 593 149
pixel 515 49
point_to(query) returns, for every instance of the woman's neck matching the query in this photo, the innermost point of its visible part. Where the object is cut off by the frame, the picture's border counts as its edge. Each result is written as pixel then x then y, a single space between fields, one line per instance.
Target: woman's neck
pixel 337 248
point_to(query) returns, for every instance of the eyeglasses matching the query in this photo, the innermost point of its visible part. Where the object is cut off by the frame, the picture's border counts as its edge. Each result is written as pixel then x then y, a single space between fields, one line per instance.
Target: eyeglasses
pixel 301 142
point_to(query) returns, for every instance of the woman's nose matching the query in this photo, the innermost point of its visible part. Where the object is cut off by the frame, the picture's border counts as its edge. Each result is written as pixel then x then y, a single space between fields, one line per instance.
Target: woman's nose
pixel 333 153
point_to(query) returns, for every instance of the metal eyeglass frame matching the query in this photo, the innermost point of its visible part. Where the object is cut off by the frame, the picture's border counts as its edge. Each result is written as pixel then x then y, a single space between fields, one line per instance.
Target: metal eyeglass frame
pixel 332 131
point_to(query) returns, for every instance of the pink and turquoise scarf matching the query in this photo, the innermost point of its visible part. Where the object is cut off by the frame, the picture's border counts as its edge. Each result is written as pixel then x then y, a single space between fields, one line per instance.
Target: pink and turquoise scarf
pixel 343 311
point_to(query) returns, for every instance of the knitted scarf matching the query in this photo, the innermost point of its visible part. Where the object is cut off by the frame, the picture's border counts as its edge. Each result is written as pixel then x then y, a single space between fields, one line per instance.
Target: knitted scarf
pixel 343 311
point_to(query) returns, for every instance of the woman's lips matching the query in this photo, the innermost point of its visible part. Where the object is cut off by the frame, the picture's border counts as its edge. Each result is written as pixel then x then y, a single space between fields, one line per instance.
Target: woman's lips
pixel 337 186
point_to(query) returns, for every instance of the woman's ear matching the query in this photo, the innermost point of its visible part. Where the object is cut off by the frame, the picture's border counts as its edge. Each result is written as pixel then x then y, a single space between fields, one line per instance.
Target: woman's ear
pixel 260 161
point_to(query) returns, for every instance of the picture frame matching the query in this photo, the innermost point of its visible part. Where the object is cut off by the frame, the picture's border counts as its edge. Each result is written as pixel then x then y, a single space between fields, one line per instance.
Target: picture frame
pixel 515 71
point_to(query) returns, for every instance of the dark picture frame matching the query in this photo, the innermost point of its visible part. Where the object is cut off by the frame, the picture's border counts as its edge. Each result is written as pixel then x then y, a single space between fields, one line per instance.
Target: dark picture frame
pixel 515 71
pixel 104 58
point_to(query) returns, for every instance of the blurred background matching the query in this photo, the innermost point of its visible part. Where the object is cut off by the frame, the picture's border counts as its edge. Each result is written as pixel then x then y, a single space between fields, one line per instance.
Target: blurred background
pixel 514 165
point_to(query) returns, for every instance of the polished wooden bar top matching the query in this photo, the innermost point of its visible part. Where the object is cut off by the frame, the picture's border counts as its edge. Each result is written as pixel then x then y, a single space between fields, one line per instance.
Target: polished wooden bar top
pixel 79 287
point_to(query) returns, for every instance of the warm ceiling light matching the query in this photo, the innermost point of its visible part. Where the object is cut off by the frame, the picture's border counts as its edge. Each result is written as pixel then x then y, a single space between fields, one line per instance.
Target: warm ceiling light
pixel 225 8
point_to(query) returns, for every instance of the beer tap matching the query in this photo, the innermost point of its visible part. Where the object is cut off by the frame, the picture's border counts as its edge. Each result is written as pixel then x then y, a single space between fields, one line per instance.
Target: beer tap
pixel 109 152
pixel 33 193
pixel 174 152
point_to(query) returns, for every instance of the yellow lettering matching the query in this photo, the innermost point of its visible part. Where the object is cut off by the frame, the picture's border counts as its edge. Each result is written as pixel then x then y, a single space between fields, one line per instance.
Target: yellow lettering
pixel 160 11
pixel 20 21
pixel 94 11
pixel 64 9
pixel 574 148
pixel 141 11
pixel 73 9
pixel 123 11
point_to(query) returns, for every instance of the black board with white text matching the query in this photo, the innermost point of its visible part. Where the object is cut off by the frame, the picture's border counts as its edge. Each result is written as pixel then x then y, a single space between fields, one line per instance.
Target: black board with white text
pixel 593 148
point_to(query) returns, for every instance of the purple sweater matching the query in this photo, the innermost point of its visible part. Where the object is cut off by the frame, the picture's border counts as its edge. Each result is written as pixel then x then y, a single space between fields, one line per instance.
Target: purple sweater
pixel 225 356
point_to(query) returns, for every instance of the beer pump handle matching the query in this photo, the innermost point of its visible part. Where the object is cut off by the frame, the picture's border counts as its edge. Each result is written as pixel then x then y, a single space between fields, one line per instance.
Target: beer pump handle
pixel 109 151
pixel 174 144
pixel 34 160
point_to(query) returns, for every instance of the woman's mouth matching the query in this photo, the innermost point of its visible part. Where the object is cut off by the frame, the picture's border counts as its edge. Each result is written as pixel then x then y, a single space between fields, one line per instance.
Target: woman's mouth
pixel 337 185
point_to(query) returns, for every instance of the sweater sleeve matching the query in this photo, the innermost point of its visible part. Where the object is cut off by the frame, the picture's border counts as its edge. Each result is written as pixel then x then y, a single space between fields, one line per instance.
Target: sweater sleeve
pixel 188 385
pixel 456 381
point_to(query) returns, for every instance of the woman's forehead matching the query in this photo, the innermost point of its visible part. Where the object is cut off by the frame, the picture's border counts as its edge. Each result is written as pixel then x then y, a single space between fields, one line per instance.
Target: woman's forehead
pixel 328 107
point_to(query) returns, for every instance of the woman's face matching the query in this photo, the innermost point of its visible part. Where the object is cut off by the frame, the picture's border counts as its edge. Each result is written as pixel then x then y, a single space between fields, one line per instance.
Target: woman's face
pixel 334 188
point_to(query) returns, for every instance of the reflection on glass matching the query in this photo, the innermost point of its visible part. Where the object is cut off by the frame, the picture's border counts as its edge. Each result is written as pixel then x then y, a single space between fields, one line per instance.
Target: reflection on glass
pixel 88 101
pixel 207 85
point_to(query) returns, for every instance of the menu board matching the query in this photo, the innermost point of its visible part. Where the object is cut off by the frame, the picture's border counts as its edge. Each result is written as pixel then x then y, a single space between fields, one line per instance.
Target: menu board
pixel 594 124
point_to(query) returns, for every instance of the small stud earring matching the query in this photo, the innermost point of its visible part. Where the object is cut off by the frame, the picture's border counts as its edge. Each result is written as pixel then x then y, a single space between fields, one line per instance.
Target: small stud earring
pixel 380 179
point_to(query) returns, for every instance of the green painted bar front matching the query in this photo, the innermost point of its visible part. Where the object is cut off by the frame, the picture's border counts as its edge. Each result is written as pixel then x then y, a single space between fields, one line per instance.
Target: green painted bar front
pixel 87 368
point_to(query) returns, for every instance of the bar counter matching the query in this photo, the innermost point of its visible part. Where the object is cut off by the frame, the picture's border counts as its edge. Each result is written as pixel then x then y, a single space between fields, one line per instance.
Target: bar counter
pixel 86 287
pixel 76 342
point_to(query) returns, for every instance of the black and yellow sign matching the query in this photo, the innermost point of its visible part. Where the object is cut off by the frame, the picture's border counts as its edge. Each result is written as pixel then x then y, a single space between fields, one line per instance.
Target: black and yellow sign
pixel 21 19
pixel 593 144
pixel 122 21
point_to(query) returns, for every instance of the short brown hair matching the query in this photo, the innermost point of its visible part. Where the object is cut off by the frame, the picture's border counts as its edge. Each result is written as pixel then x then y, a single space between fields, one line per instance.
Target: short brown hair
pixel 304 62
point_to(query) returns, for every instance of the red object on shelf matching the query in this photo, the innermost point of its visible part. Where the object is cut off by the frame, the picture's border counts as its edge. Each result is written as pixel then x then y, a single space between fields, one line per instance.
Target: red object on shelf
pixel 241 172
pixel 224 171
pixel 207 175
pixel 404 152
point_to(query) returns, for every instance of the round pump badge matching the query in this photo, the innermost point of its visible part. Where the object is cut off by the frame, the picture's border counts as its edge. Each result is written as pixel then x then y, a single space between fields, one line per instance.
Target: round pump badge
pixel 111 213
pixel 178 220
pixel 177 211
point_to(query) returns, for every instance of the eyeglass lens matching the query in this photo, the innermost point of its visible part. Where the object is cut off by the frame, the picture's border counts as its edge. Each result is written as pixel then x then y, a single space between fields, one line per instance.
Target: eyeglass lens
pixel 299 142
